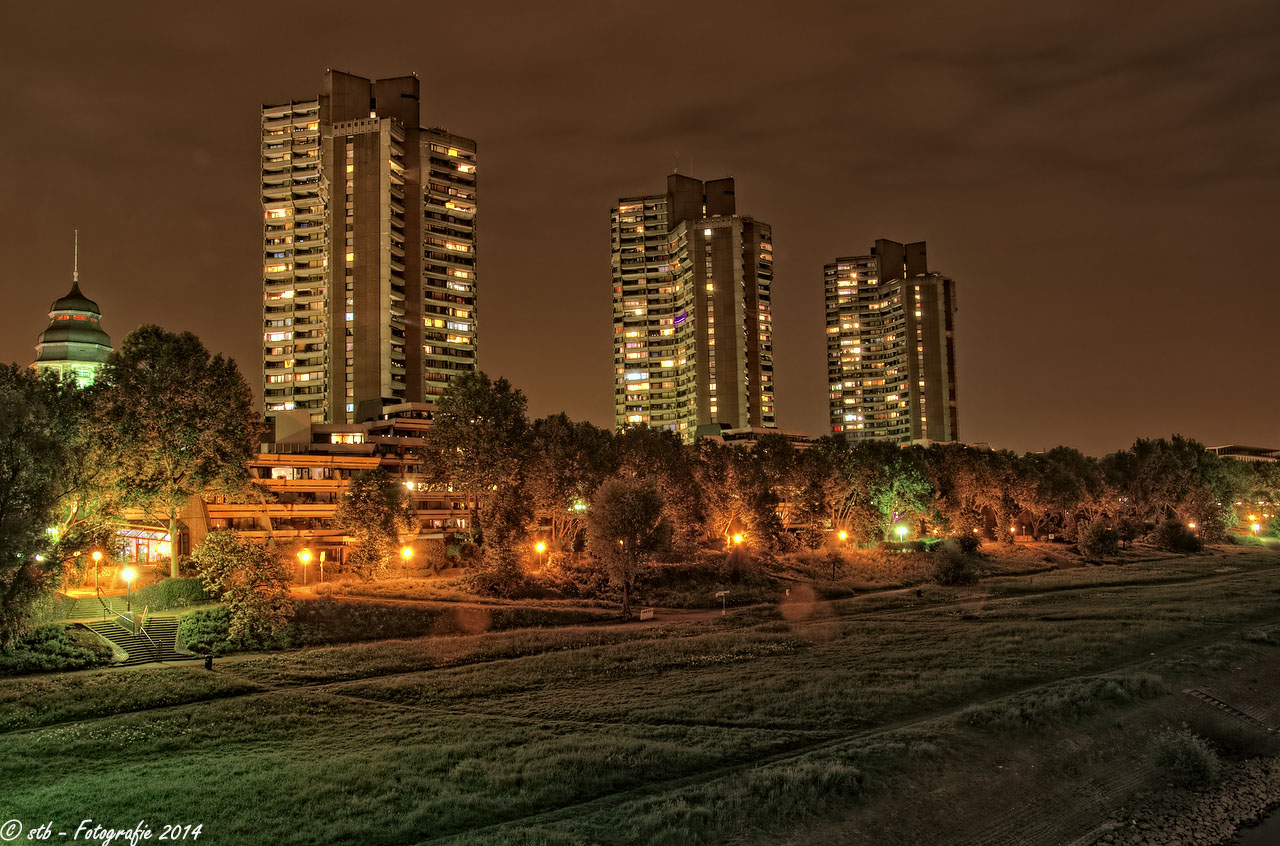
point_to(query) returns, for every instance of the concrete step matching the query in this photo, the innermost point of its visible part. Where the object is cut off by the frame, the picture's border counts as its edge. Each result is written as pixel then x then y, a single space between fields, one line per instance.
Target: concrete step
pixel 157 644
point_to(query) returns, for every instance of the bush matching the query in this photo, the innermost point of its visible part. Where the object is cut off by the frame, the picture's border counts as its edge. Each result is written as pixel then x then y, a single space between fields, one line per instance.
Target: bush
pixel 1098 540
pixel 1171 535
pixel 1186 758
pixel 951 566
pixel 50 608
pixel 500 574
pixel 207 632
pixel 171 593
pixel 968 544
pixel 53 648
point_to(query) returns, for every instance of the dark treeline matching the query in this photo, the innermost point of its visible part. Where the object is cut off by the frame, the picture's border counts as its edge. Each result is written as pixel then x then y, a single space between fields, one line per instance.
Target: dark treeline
pixel 544 475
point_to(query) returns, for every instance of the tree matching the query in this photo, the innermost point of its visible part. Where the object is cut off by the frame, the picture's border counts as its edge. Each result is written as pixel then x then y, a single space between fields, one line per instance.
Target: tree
pixel 868 485
pixel 177 422
pixel 657 457
pixel 735 493
pixel 783 470
pixel 567 462
pixel 478 442
pixel 34 473
pixel 626 530
pixel 376 511
pixel 250 577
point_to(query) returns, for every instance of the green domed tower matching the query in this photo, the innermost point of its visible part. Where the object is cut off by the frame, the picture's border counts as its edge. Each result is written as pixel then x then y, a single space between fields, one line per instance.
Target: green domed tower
pixel 74 345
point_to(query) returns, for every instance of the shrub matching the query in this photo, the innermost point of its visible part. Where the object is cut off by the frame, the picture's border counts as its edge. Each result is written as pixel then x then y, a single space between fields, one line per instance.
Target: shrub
pixel 1098 540
pixel 171 593
pixel 967 544
pixel 951 566
pixel 52 648
pixel 500 574
pixel 1186 758
pixel 207 632
pixel 50 608
pixel 1171 535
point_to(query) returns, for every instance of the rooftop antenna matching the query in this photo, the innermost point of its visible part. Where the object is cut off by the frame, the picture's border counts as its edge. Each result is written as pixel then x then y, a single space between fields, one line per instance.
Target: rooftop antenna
pixel 677 155
pixel 75 260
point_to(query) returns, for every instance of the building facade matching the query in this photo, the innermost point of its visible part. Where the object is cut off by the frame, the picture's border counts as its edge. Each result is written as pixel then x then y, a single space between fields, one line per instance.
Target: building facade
pixel 369 251
pixel 891 346
pixel 74 345
pixel 692 311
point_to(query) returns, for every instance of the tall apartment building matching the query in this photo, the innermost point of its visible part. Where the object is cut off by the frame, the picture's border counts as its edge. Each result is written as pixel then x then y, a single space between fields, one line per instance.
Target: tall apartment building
pixel 369 251
pixel 891 346
pixel 692 319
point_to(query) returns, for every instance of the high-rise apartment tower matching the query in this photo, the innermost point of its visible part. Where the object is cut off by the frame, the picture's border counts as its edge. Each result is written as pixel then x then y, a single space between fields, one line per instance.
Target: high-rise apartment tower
pixel 369 251
pixel 891 346
pixel 692 318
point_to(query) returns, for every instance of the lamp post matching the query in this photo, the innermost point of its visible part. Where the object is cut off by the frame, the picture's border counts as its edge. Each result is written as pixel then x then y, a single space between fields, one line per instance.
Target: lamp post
pixel 406 552
pixel 541 547
pixel 304 557
pixel 737 539
pixel 128 581
pixel 97 561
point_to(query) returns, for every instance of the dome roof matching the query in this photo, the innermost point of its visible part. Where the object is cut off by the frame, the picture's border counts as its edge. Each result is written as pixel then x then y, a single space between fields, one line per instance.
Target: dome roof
pixel 74 301
pixel 75 331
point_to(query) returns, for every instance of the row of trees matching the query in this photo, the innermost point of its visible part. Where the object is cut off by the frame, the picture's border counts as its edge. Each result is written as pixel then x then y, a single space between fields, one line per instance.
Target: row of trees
pixel 549 471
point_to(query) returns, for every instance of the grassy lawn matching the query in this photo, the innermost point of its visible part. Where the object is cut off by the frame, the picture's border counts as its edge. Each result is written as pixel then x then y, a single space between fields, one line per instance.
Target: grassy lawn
pixel 750 727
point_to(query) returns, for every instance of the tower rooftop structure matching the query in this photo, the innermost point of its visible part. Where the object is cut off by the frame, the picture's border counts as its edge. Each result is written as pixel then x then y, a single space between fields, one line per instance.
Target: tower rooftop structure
pixel 74 345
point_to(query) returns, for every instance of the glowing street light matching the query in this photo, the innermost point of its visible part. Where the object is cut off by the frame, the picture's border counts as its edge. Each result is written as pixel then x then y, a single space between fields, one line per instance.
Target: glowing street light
pixel 406 552
pixel 843 535
pixel 1257 527
pixel 902 532
pixel 128 581
pixel 737 539
pixel 541 547
pixel 97 560
pixel 1191 526
pixel 304 558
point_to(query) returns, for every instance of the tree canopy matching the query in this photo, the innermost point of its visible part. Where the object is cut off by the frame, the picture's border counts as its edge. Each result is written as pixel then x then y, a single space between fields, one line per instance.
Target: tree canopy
pixel 177 422
pixel 377 513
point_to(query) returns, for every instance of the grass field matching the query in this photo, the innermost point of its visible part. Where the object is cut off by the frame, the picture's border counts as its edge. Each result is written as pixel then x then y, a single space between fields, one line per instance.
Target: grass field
pixel 766 724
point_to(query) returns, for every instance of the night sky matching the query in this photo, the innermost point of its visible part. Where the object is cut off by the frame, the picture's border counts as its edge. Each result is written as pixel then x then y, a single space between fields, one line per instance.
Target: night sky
pixel 1102 180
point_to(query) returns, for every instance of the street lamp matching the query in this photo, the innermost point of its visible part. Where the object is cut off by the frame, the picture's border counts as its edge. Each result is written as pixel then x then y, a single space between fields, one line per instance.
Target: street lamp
pixel 128 581
pixel 304 557
pixel 902 533
pixel 97 560
pixel 541 546
pixel 843 535
pixel 737 539
pixel 406 552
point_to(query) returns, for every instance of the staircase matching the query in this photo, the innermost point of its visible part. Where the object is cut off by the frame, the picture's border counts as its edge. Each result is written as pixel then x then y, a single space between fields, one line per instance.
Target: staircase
pixel 158 644
pixel 90 607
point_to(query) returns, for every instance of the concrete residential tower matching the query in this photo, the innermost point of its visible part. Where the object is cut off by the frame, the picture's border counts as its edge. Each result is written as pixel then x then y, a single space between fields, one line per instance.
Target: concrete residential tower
pixel 891 346
pixel 692 317
pixel 369 251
